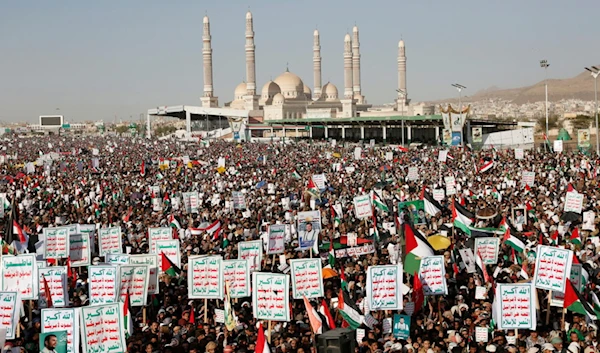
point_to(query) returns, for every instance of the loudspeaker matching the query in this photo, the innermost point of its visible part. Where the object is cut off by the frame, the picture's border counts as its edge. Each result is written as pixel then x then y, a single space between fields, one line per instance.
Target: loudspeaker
pixel 340 340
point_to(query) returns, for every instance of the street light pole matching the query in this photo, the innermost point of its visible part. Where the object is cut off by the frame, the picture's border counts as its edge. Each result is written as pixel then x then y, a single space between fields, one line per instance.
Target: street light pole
pixel 460 88
pixel 595 72
pixel 544 64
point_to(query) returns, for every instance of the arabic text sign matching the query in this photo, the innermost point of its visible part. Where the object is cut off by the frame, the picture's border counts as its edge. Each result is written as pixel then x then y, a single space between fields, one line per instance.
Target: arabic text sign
pixel 56 277
pixel 270 296
pixel 516 306
pixel 134 279
pixel 239 201
pixel 362 206
pixel 204 277
pixel 551 265
pixel 433 275
pixel 574 202
pixel 9 306
pixel 252 251
pixel 103 330
pixel 80 250
pixel 171 250
pixel 19 273
pixel 56 243
pixel 519 153
pixel 103 284
pixel 109 241
pixel 158 234
pixel 384 287
pixel 150 260
pixel 557 298
pixel 276 243
pixel 488 248
pixel 306 278
pixel 528 178
pixel 55 320
pixel 237 274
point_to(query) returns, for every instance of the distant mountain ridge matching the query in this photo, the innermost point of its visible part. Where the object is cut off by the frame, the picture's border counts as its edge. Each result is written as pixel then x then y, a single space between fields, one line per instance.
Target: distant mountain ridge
pixel 578 87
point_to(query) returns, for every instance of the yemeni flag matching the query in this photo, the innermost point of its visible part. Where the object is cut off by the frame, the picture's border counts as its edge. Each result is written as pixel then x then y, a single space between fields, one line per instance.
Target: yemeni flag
pixel 128 318
pixel 343 282
pixel 315 320
pixel 349 311
pixel 575 237
pixel 212 228
pixel 128 215
pixel 262 346
pixel 486 166
pixel 324 310
pixel 511 240
pixel 296 175
pixel 168 267
pixel 432 207
pixel 23 238
pixel 143 169
pixel 378 202
pixel 417 247
pixel 461 217
pixel 312 189
pixel 335 214
pixel 418 295
pixel 574 302
pixel 331 255
pixel 47 293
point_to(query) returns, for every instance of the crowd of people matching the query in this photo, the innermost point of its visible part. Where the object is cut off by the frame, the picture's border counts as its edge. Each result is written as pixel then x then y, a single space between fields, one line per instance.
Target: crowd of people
pixel 108 180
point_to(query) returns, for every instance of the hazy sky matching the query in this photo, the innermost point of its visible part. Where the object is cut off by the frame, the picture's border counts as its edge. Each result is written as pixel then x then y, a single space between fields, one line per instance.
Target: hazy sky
pixel 101 59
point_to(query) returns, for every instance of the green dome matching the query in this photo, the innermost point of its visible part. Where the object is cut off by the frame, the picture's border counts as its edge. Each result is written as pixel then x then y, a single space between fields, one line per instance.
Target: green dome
pixel 563 135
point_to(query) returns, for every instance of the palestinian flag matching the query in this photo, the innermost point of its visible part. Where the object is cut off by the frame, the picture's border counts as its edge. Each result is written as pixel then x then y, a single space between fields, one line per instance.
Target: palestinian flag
pixel 312 189
pixel 296 175
pixel 481 269
pixel 343 282
pixel 596 304
pixel 511 240
pixel 331 255
pixel 574 302
pixel 486 166
pixel 378 202
pixel 530 211
pixel 574 239
pixel 417 247
pixel 554 238
pixel 168 267
pixel 432 207
pixel 324 310
pixel 128 318
pixel 335 214
pixel 461 217
pixel 484 232
pixel 349 311
pixel 315 320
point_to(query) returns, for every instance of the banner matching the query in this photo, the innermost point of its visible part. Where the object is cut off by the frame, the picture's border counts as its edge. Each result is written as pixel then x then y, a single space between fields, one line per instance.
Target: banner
pixel 307 279
pixel 365 249
pixel 414 209
pixel 413 173
pixel 477 134
pixel 583 138
pixel 401 326
pixel 171 250
pixel 237 274
pixel 109 241
pixel 158 234
pixel 551 265
pixel 57 283
pixel 103 330
pixel 447 137
pixel 56 243
pixel 204 277
pixel 134 280
pixel 57 320
pixel 276 242
pixel 80 250
pixel 384 287
pixel 519 153
pixel 150 260
pixel 103 284
pixel 488 248
pixel 319 180
pixel 432 274
pixel 574 202
pixel 10 309
pixel 117 259
pixel 309 226
pixel 239 200
pixel 190 201
pixel 251 251
pixel 557 298
pixel 515 305
pixel 362 207
pixel 270 296
pixel 19 273
pixel 528 178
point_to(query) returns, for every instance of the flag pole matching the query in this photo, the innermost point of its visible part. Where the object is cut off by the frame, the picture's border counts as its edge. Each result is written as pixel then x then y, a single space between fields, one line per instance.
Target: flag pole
pixel 144 314
pixel 548 312
pixel 562 324
pixel 205 310
pixel 270 325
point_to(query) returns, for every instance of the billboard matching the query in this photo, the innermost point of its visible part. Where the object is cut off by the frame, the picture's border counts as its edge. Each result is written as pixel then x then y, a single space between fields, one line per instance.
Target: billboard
pixel 51 120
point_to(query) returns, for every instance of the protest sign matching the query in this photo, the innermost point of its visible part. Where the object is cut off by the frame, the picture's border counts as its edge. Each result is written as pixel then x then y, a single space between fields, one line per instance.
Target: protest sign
pixel 134 280
pixel 515 306
pixel 362 207
pixel 80 250
pixel 414 209
pixel 468 259
pixel 171 249
pixel 442 156
pixel 384 287
pixel 276 242
pixel 588 220
pixel 319 180
pixel 252 251
pixel 19 273
pixel 401 326
pixel 357 153
pixel 90 230
pixel 558 146
pixel 73 228
pixel 239 201
pixel 450 185
pixel 103 330
pixel 117 259
pixel 204 277
pixel 219 316
pixel 307 280
pixel 488 248
pixel 190 201
pixel 56 341
pixel 109 241
pixel 103 284
pixel 551 266
pixel 387 325
pixel 10 308
pixel 56 244
pixel 481 334
pixel 309 226
pixel 158 234
pixel 237 274
pixel 519 153
pixel 438 194
pixel 56 277
pixel 365 249
pixel 432 274
pixel 557 298
pixel 413 173
pixel 528 178
pixel 270 296
pixel 55 320
pixel 150 260
pixel 574 202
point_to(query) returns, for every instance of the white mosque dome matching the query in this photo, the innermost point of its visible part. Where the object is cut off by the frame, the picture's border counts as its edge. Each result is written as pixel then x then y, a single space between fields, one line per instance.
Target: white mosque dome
pixel 240 91
pixel 269 90
pixel 290 84
pixel 329 92
pixel 307 92
pixel 278 99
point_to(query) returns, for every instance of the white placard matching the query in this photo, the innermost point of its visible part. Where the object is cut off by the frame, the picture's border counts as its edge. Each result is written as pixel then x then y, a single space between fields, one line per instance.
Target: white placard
pixel 103 329
pixel 237 274
pixel 384 287
pixel 55 320
pixel 270 296
pixel 432 274
pixel 307 279
pixel 150 260
pixel 519 154
pixel 103 284
pixel 109 241
pixel 488 248
pixel 551 266
pixel 276 242
pixel 362 207
pixel 528 178
pixel 171 250
pixel 251 251
pixel 204 277
pixel 558 146
pixel 19 273
pixel 574 202
pixel 56 277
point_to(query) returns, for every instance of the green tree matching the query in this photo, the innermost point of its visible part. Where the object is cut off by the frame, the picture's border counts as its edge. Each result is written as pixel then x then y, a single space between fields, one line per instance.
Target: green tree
pixel 581 122
pixel 121 129
pixel 553 123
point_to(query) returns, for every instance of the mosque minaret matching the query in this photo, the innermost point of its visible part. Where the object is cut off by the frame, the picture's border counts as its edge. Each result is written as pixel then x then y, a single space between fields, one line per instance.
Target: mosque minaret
pixel 348 74
pixel 356 66
pixel 316 65
pixel 250 56
pixel 402 92
pixel 208 100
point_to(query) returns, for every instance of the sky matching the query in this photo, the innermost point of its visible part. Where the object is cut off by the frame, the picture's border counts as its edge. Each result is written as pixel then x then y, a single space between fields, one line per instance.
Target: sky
pixel 114 60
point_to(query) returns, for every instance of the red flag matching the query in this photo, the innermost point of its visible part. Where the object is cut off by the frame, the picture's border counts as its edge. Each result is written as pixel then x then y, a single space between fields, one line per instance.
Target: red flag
pixel 325 311
pixel 418 296
pixel 143 169
pixel 17 228
pixel 262 346
pixel 192 317
pixel 570 188
pixel 71 273
pixel 47 293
